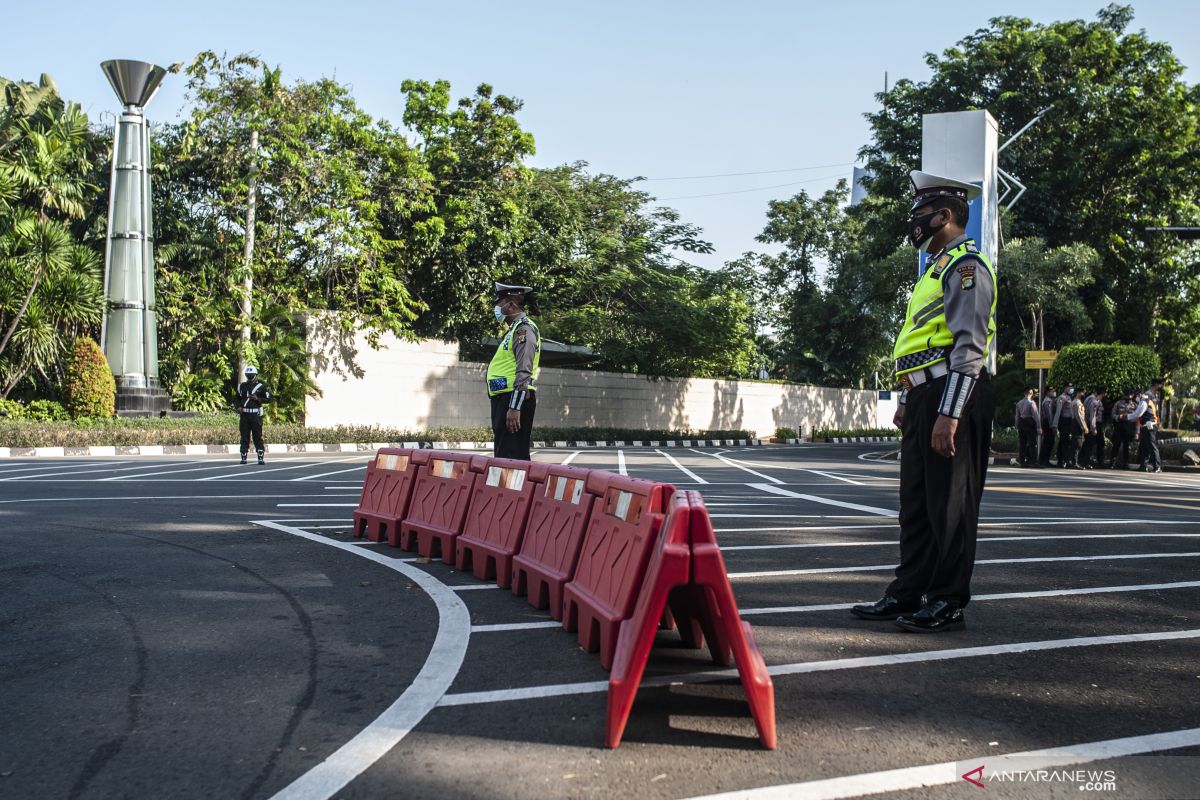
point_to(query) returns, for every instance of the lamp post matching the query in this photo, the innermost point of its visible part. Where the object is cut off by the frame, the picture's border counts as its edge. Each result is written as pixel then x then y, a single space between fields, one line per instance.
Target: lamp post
pixel 129 333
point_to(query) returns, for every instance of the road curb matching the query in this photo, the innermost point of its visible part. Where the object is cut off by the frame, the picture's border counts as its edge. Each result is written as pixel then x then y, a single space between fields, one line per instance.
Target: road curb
pixel 345 447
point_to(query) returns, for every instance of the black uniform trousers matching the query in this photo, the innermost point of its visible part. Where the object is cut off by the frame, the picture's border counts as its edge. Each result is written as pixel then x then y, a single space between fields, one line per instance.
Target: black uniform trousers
pixel 251 425
pixel 1047 444
pixel 1027 430
pixel 939 497
pixel 1123 432
pixel 1148 448
pixel 1093 447
pixel 512 445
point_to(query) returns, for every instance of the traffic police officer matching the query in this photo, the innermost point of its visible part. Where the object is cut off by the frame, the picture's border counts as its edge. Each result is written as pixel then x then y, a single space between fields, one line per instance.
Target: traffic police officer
pixel 252 394
pixel 512 374
pixel 946 413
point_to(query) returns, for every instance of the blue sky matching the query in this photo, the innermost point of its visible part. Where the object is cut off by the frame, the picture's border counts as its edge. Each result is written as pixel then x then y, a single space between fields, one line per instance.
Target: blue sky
pixel 657 89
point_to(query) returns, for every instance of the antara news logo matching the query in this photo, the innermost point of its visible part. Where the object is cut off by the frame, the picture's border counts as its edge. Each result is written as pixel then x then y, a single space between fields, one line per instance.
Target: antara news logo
pixel 1088 780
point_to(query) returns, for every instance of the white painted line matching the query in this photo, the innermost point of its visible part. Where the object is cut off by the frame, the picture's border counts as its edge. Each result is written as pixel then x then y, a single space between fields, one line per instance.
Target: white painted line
pixel 514 626
pixel 832 665
pixel 696 478
pixel 1056 523
pixel 472 586
pixel 835 477
pixel 621 463
pixel 252 472
pixel 812 498
pixel 992 561
pixel 733 463
pixel 316 505
pixel 223 464
pixel 893 542
pixel 57 474
pixel 32 467
pixel 327 474
pixel 422 695
pixel 570 458
pixel 155 497
pixel 946 773
pixel 1138 587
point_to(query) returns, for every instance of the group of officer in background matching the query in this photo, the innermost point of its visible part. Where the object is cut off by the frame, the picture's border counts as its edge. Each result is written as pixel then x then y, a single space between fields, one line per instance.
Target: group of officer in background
pixel 1075 421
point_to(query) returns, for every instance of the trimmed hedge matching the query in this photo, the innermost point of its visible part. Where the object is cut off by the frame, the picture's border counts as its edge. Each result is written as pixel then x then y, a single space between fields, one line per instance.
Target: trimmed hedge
pixel 1116 366
pixel 91 388
pixel 223 428
pixel 831 433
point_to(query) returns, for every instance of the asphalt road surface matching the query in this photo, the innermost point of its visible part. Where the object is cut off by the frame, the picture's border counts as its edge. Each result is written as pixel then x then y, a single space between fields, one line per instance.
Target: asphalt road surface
pixel 191 628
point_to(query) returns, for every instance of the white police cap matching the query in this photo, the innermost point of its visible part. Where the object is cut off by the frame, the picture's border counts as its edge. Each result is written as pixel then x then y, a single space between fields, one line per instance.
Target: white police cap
pixel 928 187
pixel 251 370
pixel 508 290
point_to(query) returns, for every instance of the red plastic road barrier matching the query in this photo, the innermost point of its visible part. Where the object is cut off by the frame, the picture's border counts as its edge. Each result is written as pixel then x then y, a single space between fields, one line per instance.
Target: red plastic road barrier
pixel 620 534
pixel 552 538
pixel 385 493
pixel 687 545
pixel 439 504
pixel 497 515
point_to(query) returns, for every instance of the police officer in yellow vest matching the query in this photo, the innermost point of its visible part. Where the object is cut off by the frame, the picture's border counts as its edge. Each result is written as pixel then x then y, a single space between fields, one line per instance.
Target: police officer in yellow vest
pixel 512 375
pixel 945 414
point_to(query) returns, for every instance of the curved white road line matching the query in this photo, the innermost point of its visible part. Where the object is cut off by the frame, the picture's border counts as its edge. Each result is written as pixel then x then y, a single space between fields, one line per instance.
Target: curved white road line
pixel 385 732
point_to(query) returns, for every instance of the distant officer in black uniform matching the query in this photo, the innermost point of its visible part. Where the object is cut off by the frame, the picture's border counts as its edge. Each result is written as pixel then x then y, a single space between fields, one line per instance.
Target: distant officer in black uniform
pixel 1048 432
pixel 252 394
pixel 945 414
pixel 1028 419
pixel 512 374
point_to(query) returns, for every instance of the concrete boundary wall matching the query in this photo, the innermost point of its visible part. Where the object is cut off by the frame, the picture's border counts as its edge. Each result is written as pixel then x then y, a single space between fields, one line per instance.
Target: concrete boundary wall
pixel 424 385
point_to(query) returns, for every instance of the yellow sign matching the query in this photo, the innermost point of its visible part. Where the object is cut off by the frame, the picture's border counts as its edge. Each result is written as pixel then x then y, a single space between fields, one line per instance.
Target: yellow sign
pixel 1040 359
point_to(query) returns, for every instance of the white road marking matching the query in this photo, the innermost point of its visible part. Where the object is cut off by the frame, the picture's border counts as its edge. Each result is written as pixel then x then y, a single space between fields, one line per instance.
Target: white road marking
pixel 155 497
pixel 621 462
pixel 223 464
pixel 471 586
pixel 61 466
pixel 327 474
pixel 252 473
pixel 59 473
pixel 879 567
pixel 422 695
pixel 514 626
pixel 766 487
pixel 1137 587
pixel 831 665
pixel 733 463
pixel 571 457
pixel 695 478
pixel 1040 523
pixel 316 505
pixel 869 543
pixel 946 773
pixel 835 477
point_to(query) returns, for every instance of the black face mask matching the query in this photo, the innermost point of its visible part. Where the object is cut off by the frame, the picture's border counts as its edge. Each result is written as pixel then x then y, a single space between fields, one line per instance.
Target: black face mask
pixel 920 231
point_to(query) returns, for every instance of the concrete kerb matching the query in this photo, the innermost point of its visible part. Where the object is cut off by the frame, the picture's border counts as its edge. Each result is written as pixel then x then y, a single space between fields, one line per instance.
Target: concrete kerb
pixel 344 447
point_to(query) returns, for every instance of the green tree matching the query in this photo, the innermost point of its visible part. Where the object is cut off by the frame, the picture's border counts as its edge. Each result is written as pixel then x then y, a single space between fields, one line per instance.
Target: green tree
pixel 1119 151
pixel 1039 287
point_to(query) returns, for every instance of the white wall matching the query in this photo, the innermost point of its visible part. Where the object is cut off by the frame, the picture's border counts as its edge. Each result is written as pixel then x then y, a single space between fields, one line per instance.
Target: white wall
pixel 423 385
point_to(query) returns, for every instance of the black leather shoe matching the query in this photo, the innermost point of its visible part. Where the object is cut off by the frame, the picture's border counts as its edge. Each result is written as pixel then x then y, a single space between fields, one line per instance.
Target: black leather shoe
pixel 887 607
pixel 934 618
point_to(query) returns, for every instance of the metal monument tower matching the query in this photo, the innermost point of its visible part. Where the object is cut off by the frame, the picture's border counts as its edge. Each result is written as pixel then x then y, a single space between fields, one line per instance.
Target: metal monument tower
pixel 129 334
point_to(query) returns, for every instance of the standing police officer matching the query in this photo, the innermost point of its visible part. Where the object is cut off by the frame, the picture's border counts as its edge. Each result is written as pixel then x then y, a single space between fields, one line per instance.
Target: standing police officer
pixel 945 416
pixel 1048 432
pixel 512 375
pixel 1028 420
pixel 252 394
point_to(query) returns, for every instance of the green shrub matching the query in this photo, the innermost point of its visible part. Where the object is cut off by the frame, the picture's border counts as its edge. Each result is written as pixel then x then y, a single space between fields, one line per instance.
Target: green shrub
pixel 1004 440
pixel 1116 366
pixel 786 433
pixel 46 411
pixel 91 389
pixel 11 409
pixel 834 433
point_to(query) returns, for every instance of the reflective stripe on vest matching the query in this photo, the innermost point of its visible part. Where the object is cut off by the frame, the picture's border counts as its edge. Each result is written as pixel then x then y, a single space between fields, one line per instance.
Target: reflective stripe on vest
pixel 502 371
pixel 925 339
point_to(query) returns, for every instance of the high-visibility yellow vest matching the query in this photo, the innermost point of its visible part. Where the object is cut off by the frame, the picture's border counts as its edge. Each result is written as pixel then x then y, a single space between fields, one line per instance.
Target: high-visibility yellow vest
pixel 502 371
pixel 925 339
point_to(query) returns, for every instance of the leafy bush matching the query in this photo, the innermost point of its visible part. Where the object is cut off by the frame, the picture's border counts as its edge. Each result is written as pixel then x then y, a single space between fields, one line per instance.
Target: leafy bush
pixel 1116 366
pixel 91 389
pixel 832 433
pixel 46 411
pixel 785 433
pixel 223 429
pixel 1004 440
pixel 192 392
pixel 11 409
